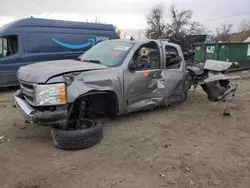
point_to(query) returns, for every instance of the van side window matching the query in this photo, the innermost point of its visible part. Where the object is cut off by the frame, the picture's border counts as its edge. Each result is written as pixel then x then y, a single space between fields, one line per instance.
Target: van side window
pixel 171 53
pixel 8 46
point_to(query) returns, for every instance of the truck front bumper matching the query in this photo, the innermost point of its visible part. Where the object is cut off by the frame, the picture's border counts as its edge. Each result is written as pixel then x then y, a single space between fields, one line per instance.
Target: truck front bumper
pixel 53 118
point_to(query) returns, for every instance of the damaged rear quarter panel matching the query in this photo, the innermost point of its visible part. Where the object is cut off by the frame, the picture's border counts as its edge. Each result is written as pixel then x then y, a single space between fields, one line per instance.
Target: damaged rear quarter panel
pixel 94 80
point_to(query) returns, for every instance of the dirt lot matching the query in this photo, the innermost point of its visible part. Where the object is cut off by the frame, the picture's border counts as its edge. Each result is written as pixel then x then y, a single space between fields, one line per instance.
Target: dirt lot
pixel 191 145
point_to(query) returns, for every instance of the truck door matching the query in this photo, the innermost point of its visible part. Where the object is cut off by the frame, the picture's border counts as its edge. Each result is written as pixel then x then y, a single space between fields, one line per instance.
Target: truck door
pixel 10 59
pixel 140 80
pixel 174 73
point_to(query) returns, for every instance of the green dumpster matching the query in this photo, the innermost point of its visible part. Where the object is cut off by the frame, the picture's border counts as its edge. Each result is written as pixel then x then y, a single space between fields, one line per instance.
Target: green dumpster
pixel 230 51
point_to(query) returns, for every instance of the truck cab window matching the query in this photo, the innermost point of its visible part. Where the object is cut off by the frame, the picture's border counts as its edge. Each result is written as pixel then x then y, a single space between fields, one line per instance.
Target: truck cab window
pixel 8 46
pixel 171 56
pixel 147 57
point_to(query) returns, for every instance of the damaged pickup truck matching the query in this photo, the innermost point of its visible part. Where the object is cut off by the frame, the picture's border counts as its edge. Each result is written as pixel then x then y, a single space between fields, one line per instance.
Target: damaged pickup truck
pixel 112 78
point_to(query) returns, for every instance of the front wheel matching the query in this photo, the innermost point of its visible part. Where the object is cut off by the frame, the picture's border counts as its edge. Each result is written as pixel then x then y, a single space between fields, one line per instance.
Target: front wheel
pixel 87 135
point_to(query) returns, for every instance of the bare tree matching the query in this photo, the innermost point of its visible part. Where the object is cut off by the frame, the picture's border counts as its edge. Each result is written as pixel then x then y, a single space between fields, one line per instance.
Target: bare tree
pixel 196 28
pixel 156 24
pixel 136 33
pixel 97 20
pixel 117 33
pixel 123 34
pixel 223 33
pixel 117 30
pixel 140 34
pixel 180 23
pixel 180 19
pixel 244 30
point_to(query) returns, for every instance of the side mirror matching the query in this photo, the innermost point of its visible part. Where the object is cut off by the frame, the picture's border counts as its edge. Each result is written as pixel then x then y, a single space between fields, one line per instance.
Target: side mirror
pixel 132 67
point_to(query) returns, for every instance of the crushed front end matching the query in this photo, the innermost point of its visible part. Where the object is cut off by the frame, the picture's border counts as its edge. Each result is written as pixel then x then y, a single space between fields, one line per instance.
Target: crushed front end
pixel 219 90
pixel 210 77
pixel 42 104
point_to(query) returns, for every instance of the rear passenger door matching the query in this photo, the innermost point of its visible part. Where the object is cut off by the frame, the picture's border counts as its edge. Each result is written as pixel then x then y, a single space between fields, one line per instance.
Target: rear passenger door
pixel 174 73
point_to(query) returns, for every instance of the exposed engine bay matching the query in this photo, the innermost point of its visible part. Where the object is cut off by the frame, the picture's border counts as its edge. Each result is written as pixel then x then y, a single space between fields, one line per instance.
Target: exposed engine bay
pixel 210 77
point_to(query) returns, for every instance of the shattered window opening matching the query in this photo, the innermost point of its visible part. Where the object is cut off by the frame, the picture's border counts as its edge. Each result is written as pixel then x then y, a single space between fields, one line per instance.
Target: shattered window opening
pixel 171 53
pixel 147 57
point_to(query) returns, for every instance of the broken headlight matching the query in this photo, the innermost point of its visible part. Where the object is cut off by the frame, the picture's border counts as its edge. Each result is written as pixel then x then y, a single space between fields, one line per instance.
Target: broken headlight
pixel 52 94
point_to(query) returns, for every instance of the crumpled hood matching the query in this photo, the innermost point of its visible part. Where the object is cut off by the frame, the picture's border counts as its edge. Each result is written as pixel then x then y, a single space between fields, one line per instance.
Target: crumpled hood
pixel 218 66
pixel 41 72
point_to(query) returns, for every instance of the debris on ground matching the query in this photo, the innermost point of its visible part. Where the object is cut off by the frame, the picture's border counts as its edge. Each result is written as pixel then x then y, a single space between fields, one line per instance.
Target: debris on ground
pixel 167 145
pixel 226 114
pixel 3 105
pixel 26 121
pixel 1 138
pixel 4 138
pixel 171 182
pixel 22 128
pixel 187 169
pixel 191 183
pixel 55 155
pixel 162 175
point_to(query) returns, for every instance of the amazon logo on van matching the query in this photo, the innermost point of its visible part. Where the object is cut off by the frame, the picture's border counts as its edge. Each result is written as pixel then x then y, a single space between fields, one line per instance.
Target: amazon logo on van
pixel 91 42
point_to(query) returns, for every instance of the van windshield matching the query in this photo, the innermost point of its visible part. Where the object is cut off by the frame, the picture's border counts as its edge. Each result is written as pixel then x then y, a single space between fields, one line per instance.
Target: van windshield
pixel 109 53
pixel 8 46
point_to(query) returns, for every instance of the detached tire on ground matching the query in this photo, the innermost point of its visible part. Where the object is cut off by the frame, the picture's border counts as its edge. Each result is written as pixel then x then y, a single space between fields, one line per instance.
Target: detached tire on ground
pixel 78 139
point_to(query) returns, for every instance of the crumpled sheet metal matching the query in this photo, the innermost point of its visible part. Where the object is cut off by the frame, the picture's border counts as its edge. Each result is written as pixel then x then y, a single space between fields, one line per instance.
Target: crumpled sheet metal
pixel 79 87
pixel 216 77
pixel 215 65
pixel 160 87
pixel 146 104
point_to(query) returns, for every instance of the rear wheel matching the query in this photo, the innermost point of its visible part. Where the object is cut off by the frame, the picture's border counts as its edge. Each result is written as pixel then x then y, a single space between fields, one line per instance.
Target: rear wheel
pixel 183 98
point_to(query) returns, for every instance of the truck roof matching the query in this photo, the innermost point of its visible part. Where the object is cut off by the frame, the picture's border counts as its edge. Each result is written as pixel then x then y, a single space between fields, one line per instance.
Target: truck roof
pixel 142 41
pixel 40 22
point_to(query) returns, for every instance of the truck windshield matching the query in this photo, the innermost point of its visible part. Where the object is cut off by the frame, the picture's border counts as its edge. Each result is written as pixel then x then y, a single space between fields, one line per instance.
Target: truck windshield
pixel 109 53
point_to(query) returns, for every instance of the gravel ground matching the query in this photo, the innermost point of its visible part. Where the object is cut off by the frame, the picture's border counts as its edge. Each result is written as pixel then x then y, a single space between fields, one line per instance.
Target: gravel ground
pixel 190 145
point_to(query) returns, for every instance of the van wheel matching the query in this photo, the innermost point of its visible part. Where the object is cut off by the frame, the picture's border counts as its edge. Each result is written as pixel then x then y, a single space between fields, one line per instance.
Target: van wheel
pixel 89 134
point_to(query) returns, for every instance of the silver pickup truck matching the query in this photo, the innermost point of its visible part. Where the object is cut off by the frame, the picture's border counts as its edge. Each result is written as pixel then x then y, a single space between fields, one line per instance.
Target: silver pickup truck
pixel 112 78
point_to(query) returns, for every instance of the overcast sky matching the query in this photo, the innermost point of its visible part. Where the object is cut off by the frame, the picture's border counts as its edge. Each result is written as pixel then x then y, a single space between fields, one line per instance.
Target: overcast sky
pixel 126 14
